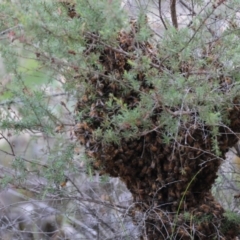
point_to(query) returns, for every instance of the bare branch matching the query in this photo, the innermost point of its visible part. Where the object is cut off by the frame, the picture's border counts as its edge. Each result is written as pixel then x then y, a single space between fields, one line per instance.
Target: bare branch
pixel 174 13
pixel 190 9
pixel 160 13
pixel 10 145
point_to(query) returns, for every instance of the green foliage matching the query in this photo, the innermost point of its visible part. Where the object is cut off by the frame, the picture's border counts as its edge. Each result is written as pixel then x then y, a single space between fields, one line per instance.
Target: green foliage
pixel 188 217
pixel 20 165
pixel 59 159
pixel 5 181
pixel 33 114
pixel 232 217
pixel 231 221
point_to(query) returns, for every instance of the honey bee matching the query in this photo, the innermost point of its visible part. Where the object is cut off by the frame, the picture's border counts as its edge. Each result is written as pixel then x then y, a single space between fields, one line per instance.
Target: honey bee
pixel 205 208
pixel 114 153
pixel 199 227
pixel 140 162
pixel 139 147
pixel 91 154
pixel 133 145
pixel 82 139
pixel 149 171
pixel 190 155
pixel 218 207
pixel 59 128
pixel 171 166
pixel 176 169
pixel 179 186
pixel 154 186
pixel 178 194
pixel 165 166
pixel 187 169
pixel 144 170
pixel 129 153
pixel 64 183
pixel 159 178
pixel 123 157
pixel 97 164
pixel 237 196
pixel 70 5
pixel 183 233
pixel 79 126
pixel 153 148
pixel 171 193
pixel 159 197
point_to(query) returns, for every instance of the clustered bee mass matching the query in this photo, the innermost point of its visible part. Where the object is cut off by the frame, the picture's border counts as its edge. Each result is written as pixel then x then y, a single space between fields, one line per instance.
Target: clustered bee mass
pixel 170 178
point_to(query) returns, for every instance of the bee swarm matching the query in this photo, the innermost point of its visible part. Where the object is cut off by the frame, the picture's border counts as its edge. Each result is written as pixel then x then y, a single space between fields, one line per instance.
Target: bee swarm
pixel 169 179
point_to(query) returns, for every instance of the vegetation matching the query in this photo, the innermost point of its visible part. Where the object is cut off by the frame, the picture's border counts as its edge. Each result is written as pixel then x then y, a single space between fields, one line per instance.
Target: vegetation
pixel 158 108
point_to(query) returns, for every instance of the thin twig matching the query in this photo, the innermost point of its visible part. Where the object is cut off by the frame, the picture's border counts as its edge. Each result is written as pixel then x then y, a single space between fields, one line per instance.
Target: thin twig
pixel 24 159
pixel 188 7
pixel 178 113
pixel 10 145
pixel 160 14
pixel 10 29
pixel 9 102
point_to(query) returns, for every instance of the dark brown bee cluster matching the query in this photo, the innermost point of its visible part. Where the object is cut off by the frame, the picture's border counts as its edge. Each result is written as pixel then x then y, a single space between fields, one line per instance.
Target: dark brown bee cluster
pixel 168 181
pixel 70 7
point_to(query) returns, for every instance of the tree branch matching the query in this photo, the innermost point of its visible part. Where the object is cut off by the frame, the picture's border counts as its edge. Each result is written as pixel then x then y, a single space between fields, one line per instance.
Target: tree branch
pixel 174 13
